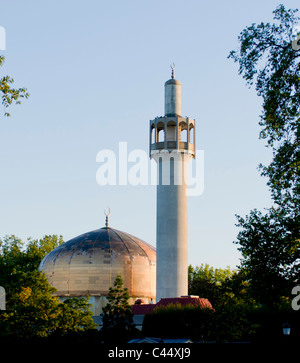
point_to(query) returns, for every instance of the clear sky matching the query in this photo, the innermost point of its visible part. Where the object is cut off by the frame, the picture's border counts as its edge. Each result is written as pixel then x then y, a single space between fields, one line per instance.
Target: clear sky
pixel 95 71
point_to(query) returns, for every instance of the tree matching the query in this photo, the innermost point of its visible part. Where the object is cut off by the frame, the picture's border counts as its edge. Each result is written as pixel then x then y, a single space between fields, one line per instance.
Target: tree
pixel 266 57
pixel 270 243
pixel 18 258
pixel 207 282
pixel 177 321
pixel 74 315
pixel 270 248
pixel 31 309
pixel 117 315
pixel 9 94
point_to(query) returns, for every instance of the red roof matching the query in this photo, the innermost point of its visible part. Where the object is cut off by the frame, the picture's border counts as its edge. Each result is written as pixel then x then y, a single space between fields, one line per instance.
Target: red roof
pixel 186 300
pixel 143 309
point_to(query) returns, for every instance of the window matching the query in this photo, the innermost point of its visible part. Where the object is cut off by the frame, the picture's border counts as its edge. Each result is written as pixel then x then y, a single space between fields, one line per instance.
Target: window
pixel 183 131
pixel 160 132
pixel 192 134
pixel 153 130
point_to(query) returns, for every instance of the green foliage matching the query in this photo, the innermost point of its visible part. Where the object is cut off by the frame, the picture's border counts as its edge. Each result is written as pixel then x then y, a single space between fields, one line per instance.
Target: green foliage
pixel 213 275
pixel 270 247
pixel 228 322
pixel 267 59
pixel 18 259
pixel 74 316
pixel 9 94
pixel 31 309
pixel 231 322
pixel 229 293
pixel 236 315
pixel 270 242
pixel 207 282
pixel 117 315
pixel 177 321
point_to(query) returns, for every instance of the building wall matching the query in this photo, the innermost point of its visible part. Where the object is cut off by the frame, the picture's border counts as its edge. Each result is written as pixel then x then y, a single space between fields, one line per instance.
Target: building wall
pixel 98 302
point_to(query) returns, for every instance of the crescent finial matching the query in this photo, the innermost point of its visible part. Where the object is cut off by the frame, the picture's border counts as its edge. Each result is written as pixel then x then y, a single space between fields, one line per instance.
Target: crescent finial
pixel 106 216
pixel 173 68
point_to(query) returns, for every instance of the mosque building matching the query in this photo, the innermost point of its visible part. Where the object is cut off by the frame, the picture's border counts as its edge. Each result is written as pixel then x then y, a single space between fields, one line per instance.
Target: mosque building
pixel 88 264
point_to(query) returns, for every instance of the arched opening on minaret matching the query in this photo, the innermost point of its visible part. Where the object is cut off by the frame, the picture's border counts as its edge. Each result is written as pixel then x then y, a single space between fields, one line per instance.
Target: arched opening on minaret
pixel 161 135
pixel 183 131
pixel 153 131
pixel 160 132
pixel 183 135
pixel 192 134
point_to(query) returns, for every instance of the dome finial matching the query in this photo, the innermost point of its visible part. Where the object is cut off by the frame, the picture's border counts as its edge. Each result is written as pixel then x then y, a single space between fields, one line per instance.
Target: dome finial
pixel 173 68
pixel 106 216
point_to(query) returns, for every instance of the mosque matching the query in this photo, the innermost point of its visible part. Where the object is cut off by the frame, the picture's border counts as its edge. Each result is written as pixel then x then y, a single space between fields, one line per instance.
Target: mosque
pixel 88 264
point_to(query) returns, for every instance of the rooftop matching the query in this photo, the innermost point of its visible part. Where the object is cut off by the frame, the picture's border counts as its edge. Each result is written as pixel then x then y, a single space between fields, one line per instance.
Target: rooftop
pixel 143 309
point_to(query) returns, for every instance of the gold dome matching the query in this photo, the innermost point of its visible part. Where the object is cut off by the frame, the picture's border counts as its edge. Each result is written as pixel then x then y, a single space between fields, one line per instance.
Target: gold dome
pixel 88 265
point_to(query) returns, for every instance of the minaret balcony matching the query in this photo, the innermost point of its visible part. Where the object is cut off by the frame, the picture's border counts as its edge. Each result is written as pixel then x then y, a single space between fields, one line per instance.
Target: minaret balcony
pixel 172 133
pixel 171 145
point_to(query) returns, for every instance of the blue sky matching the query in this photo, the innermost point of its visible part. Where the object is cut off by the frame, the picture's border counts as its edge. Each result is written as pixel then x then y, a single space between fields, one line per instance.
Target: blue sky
pixel 95 71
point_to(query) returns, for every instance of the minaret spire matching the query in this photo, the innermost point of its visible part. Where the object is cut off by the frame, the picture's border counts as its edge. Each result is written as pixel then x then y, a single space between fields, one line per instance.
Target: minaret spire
pixel 106 216
pixel 173 70
pixel 172 95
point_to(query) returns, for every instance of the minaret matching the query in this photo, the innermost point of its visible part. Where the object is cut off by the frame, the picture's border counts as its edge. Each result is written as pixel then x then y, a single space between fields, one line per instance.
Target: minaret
pixel 172 145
